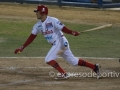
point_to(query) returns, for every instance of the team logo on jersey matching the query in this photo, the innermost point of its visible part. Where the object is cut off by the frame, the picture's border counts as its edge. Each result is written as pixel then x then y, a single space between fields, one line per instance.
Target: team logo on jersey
pixel 47 32
pixel 49 25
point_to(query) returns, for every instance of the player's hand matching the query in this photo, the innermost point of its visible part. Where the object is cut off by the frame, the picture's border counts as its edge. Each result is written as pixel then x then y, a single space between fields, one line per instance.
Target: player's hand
pixel 75 33
pixel 19 50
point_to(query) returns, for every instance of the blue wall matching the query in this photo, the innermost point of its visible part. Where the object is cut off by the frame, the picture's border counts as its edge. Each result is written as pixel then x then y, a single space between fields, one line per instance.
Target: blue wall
pixel 83 1
pixel 76 3
pixel 87 3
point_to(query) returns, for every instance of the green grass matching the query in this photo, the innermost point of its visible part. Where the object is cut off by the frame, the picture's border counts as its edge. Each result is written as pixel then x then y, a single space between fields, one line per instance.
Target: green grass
pixel 101 43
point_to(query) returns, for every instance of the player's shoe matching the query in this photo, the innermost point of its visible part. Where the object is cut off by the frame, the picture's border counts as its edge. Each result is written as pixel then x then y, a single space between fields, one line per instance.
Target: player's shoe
pixel 62 76
pixel 97 70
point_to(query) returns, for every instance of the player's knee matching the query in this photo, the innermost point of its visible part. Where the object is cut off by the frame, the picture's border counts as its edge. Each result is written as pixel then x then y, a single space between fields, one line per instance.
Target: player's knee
pixel 47 60
pixel 73 61
pixel 74 64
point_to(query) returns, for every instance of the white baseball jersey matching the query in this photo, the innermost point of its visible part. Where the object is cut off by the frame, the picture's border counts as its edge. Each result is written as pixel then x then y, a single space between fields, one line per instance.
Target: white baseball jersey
pixel 51 30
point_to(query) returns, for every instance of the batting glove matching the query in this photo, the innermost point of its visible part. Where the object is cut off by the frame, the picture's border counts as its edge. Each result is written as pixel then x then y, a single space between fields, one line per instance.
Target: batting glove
pixel 19 50
pixel 75 33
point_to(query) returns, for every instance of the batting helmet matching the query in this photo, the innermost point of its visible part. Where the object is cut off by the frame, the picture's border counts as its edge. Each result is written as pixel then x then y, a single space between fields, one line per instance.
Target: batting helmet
pixel 43 9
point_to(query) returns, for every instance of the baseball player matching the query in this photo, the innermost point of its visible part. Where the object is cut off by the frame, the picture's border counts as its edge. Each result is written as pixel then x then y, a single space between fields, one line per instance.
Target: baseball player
pixel 52 29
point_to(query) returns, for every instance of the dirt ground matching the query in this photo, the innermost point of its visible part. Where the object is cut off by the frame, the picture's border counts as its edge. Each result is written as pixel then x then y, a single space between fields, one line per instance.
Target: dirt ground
pixel 34 74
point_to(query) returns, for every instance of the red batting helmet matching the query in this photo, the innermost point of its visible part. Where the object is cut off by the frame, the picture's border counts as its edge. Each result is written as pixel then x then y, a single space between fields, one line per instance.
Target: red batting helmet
pixel 43 9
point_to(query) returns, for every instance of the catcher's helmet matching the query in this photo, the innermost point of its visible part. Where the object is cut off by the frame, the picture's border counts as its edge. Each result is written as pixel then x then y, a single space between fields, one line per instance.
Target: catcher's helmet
pixel 43 9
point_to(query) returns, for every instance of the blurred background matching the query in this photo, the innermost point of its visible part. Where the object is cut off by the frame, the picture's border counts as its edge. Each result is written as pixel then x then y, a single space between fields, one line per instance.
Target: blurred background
pixel 77 3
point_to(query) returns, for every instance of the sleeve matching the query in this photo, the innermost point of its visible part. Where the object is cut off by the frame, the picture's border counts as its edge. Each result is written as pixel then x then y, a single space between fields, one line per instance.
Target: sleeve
pixel 66 30
pixel 58 25
pixel 35 29
pixel 29 40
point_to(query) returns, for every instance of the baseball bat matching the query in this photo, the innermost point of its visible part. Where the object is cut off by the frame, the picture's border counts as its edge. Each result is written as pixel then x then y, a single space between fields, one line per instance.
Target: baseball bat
pixel 97 28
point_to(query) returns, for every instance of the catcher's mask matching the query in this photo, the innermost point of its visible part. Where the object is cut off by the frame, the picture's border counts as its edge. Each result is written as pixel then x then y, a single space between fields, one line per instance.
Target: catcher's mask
pixel 43 9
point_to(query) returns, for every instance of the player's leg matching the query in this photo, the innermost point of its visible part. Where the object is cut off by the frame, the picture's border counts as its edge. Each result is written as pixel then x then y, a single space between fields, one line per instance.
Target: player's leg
pixel 68 55
pixel 52 56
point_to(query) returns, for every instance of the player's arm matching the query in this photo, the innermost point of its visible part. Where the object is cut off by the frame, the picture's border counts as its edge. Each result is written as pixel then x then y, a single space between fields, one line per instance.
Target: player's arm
pixel 68 31
pixel 28 41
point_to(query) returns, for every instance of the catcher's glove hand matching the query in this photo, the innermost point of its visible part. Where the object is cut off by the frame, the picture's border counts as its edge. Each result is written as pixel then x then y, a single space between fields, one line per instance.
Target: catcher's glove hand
pixel 19 50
